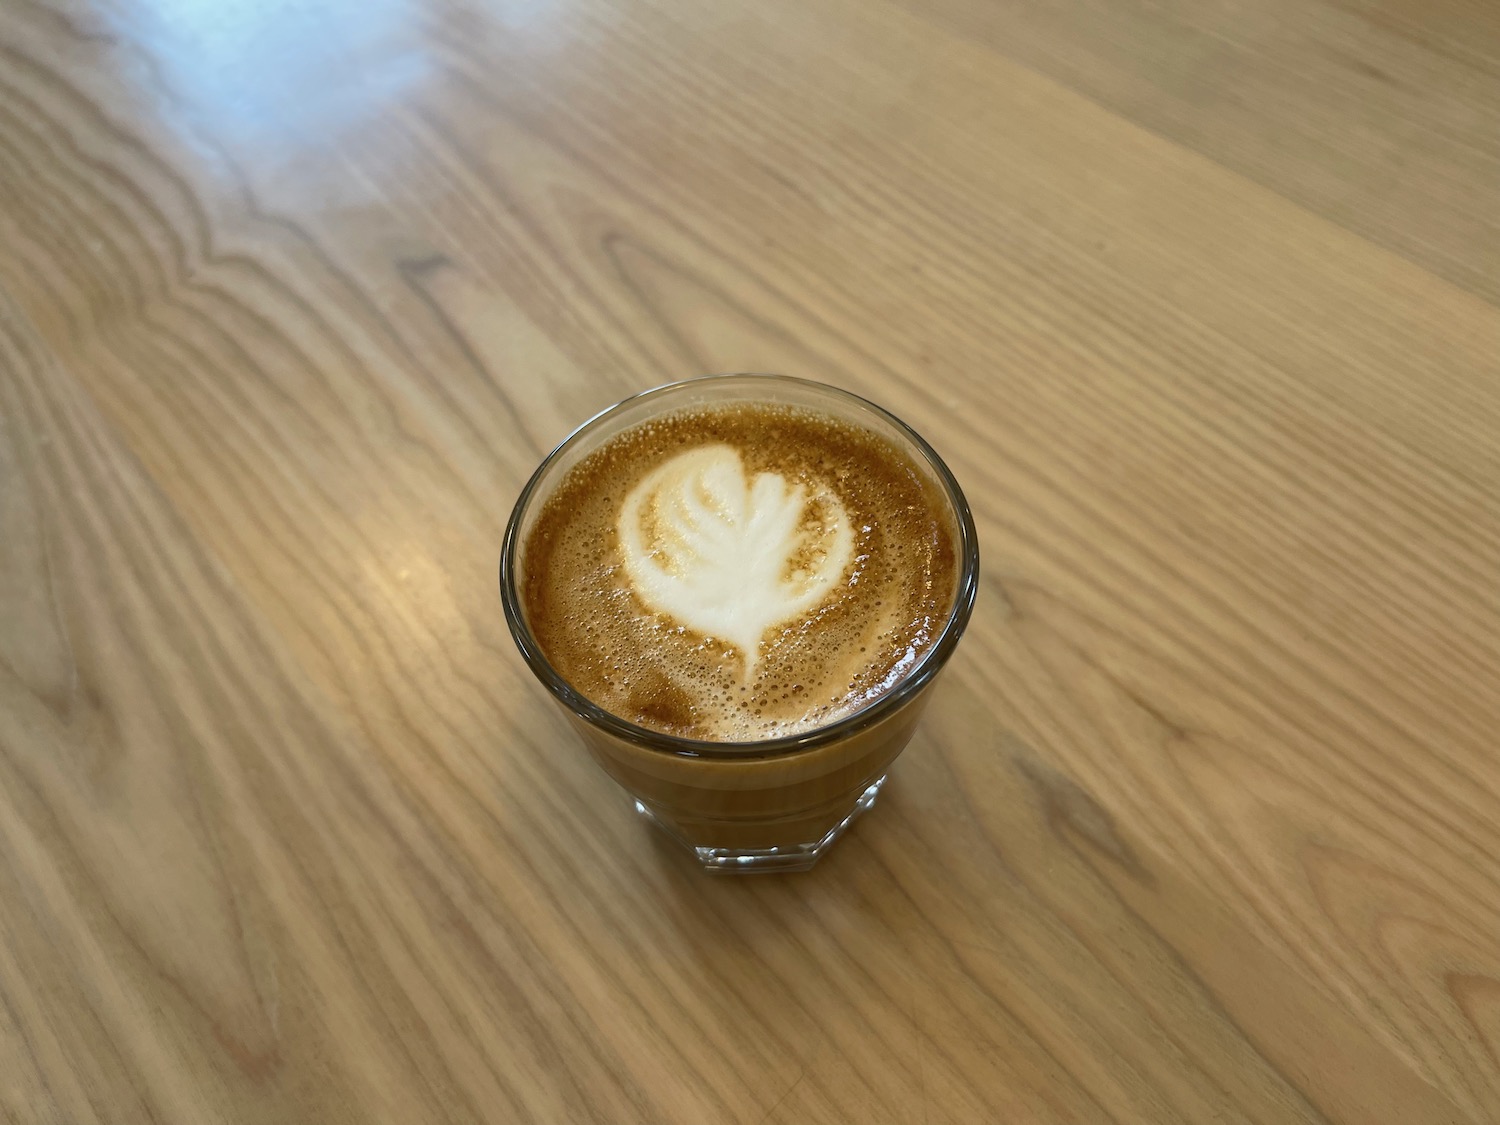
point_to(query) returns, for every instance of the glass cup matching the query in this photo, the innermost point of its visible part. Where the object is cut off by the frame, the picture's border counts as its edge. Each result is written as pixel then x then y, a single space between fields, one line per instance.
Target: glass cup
pixel 777 804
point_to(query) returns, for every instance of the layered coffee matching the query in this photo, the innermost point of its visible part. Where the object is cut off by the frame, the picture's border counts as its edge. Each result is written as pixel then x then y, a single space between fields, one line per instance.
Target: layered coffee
pixel 740 572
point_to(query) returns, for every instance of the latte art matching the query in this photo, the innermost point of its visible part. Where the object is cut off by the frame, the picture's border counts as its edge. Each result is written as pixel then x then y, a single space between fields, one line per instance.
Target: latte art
pixel 729 556
pixel 740 572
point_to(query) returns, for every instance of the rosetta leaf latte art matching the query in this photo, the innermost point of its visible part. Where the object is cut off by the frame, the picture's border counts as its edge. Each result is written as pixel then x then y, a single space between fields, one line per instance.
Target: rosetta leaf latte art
pixel 728 556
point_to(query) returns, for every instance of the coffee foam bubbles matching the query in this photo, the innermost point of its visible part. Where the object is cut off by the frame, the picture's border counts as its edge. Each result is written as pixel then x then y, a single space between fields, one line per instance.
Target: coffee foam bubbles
pixel 729 555
pixel 739 572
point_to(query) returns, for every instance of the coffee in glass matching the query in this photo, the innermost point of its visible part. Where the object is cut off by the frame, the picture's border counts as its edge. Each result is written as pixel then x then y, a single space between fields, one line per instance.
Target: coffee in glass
pixel 740 587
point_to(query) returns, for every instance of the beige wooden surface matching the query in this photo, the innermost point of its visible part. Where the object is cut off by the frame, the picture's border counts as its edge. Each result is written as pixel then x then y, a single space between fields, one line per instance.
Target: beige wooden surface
pixel 1198 299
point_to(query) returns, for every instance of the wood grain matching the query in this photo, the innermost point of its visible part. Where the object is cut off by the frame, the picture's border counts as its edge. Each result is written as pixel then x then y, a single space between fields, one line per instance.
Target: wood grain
pixel 1197 300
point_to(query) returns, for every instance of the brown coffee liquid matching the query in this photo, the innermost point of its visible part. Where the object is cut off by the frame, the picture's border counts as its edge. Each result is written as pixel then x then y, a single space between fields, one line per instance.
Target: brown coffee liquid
pixel 873 626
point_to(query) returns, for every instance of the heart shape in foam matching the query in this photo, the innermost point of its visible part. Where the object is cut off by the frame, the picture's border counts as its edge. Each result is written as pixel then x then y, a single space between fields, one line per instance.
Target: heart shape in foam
pixel 727 556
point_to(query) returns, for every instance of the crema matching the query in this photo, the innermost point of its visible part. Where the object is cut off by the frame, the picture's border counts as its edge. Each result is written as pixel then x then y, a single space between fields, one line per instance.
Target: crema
pixel 740 572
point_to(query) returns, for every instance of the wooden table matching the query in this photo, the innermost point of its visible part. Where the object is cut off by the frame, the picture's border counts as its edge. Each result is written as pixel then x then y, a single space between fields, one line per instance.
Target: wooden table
pixel 1201 302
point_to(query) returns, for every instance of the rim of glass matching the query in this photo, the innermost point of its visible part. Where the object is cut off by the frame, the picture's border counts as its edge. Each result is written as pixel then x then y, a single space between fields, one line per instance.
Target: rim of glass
pixel 928 667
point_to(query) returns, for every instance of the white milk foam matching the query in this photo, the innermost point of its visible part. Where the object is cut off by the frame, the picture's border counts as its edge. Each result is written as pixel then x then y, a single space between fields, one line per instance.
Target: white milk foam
pixel 727 555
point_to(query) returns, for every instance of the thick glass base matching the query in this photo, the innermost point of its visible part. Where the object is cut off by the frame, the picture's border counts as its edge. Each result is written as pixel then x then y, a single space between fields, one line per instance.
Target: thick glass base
pixel 755 861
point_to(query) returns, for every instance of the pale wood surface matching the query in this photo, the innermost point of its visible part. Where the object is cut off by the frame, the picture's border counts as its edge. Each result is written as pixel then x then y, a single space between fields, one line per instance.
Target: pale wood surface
pixel 1197 298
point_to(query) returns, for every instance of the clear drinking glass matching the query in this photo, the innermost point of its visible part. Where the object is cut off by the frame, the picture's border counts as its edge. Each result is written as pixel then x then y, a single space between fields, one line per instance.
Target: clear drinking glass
pixel 780 803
